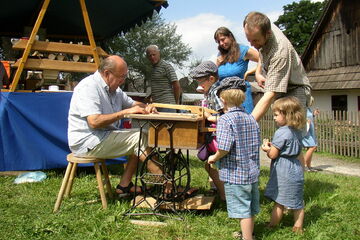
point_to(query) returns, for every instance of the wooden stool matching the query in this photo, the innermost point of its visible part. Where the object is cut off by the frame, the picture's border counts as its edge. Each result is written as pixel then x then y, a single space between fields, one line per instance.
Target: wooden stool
pixel 67 182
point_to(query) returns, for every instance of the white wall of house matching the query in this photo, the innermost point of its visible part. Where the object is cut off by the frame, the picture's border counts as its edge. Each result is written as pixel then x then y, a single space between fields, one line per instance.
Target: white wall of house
pixel 323 99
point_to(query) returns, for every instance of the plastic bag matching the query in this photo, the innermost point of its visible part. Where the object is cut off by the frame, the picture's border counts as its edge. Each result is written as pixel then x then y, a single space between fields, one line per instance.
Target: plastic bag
pixel 30 177
pixel 208 148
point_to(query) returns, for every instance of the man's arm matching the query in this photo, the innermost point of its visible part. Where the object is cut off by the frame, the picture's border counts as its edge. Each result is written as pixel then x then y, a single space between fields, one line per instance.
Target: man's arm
pixel 103 120
pixel 260 79
pixel 177 91
pixel 263 105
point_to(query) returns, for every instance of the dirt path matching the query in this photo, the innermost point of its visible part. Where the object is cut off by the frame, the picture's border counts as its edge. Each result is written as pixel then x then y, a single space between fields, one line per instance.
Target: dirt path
pixel 327 164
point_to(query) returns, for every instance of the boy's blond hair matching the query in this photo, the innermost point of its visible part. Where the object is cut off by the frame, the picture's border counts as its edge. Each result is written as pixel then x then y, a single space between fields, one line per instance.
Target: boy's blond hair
pixel 293 111
pixel 233 97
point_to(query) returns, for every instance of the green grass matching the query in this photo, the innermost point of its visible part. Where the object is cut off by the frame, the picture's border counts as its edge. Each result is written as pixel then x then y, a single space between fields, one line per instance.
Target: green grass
pixel 344 158
pixel 332 211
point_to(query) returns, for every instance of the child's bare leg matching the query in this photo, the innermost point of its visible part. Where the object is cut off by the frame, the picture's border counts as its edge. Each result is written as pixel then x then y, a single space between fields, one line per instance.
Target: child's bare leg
pixel 298 220
pixel 276 215
pixel 214 174
pixel 308 156
pixel 247 227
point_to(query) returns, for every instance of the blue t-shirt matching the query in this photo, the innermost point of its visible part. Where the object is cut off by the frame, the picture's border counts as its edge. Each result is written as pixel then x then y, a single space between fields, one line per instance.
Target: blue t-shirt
pixel 238 69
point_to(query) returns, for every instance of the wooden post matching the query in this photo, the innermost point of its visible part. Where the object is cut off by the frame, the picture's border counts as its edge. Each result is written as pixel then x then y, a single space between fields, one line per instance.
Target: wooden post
pixel 29 45
pixel 89 32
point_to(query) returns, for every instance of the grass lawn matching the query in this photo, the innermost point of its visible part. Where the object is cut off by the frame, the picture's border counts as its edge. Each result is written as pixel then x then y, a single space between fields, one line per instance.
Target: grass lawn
pixel 332 211
pixel 344 158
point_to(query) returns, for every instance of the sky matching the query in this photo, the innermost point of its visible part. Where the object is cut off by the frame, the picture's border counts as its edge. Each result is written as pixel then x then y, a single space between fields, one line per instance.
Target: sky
pixel 197 20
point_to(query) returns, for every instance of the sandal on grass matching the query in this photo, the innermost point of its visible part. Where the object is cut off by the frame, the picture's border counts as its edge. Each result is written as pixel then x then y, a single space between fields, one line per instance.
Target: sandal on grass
pixel 126 191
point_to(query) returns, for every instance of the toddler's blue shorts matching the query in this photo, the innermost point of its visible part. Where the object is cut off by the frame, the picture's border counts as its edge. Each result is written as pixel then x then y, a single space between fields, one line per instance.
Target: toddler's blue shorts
pixel 242 200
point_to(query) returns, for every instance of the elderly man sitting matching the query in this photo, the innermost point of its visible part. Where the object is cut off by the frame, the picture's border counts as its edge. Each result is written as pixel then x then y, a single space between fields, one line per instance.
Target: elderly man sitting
pixel 96 109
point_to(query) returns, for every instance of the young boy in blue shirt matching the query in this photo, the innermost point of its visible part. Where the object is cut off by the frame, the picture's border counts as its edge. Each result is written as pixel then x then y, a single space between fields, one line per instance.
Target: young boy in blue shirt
pixel 238 138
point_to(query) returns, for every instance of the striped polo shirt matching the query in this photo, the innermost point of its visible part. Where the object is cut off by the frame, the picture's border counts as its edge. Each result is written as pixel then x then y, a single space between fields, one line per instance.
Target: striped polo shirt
pixel 162 76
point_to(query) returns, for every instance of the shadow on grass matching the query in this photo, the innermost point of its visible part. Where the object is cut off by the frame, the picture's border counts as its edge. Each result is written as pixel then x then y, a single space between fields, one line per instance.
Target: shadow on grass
pixel 313 188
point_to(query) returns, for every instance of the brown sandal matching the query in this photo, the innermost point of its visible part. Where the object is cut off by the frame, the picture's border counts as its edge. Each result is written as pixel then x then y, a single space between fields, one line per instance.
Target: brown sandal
pixel 126 191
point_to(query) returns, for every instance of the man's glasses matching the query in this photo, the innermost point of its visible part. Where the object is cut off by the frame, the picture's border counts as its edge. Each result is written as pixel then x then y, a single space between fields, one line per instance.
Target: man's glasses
pixel 119 77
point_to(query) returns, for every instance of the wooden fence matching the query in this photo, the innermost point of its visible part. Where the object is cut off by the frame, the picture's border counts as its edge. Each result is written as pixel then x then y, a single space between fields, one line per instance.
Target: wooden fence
pixel 338 132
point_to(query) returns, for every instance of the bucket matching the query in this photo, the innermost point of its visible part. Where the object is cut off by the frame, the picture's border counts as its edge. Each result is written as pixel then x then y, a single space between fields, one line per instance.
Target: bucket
pixel 53 88
pixel 6 65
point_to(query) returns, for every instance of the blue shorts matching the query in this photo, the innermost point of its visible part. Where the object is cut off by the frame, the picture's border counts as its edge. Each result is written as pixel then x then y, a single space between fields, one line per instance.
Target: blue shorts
pixel 242 200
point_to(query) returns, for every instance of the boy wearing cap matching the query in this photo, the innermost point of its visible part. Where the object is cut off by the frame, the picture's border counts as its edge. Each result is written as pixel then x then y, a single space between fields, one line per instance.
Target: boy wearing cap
pixel 238 138
pixel 206 75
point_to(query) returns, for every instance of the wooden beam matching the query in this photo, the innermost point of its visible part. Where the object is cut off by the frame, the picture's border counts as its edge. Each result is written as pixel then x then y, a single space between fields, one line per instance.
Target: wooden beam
pixel 65 66
pixel 148 223
pixel 59 47
pixel 191 108
pixel 89 32
pixel 186 117
pixel 29 45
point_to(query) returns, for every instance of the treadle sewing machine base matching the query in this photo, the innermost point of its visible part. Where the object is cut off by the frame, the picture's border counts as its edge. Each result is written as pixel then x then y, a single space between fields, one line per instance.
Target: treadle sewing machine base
pixel 198 202
pixel 167 190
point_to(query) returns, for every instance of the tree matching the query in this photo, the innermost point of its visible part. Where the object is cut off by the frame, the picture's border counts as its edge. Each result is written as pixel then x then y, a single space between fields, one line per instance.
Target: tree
pixel 299 21
pixel 131 47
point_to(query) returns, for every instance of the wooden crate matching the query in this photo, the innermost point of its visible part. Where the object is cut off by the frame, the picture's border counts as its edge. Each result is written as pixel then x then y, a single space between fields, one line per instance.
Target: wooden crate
pixel 185 135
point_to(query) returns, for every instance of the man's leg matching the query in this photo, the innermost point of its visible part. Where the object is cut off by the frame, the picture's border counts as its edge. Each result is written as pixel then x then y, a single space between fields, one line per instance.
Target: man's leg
pixel 151 165
pixel 127 175
pixel 122 143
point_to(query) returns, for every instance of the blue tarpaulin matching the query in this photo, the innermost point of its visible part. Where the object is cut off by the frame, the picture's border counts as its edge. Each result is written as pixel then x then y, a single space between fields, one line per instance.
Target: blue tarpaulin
pixel 33 130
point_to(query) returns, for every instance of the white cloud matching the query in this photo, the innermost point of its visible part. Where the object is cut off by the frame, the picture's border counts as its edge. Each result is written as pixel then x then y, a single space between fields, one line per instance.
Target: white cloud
pixel 273 16
pixel 198 33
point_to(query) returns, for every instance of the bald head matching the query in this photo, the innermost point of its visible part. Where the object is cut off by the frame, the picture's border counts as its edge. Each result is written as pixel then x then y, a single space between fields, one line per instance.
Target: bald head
pixel 112 63
pixel 113 70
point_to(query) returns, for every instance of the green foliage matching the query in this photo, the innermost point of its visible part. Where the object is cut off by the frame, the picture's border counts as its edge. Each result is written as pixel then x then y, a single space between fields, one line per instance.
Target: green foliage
pixel 131 47
pixel 331 211
pixel 299 20
pixel 187 86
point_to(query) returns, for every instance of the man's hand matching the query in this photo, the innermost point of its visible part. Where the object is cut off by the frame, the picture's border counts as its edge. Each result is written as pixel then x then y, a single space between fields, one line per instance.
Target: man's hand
pixel 137 109
pixel 151 109
pixel 260 79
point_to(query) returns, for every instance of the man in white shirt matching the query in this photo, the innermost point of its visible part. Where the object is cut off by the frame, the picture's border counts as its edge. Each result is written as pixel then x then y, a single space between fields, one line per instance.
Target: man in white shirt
pixel 96 109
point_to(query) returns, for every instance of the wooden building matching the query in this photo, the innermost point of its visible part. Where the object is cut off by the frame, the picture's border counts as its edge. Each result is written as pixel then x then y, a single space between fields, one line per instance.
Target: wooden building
pixel 332 57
